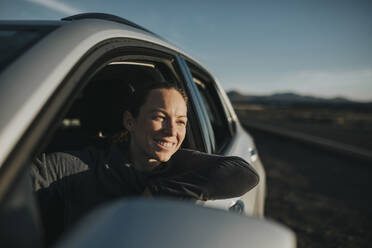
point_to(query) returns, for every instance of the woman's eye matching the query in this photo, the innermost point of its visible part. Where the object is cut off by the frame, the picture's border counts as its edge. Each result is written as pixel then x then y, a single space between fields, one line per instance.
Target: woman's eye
pixel 182 123
pixel 159 118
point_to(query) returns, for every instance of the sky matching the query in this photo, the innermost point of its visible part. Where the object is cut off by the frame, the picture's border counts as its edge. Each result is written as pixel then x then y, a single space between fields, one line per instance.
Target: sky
pixel 314 47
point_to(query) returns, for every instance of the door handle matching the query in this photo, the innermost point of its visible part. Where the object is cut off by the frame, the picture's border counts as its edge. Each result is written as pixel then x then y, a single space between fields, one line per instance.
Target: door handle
pixel 238 207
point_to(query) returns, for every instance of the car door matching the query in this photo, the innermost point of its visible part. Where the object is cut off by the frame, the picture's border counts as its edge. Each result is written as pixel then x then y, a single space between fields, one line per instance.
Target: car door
pixel 226 136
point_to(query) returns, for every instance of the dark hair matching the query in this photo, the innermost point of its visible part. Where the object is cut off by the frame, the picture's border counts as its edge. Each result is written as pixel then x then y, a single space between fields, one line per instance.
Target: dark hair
pixel 137 97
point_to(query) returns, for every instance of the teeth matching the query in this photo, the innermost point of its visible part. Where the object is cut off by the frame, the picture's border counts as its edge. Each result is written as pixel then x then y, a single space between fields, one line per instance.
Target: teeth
pixel 166 144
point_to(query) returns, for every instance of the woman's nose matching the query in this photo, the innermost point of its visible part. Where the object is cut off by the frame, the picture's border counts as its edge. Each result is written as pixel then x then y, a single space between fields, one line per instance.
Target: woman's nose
pixel 170 128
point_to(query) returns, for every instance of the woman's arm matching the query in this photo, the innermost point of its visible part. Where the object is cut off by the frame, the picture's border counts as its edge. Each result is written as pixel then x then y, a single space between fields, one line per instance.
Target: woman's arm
pixel 204 176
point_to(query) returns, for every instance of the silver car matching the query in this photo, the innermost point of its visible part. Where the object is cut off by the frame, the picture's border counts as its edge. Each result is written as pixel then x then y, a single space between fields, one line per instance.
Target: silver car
pixel 57 81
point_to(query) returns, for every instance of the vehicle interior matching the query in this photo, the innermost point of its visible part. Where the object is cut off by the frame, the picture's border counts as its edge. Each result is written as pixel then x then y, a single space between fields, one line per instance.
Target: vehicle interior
pixel 96 114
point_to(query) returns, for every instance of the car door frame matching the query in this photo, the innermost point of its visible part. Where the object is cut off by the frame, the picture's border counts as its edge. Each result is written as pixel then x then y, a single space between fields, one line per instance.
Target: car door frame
pixel 203 115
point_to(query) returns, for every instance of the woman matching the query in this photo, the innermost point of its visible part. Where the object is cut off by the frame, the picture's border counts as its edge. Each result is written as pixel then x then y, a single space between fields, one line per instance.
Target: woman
pixel 147 161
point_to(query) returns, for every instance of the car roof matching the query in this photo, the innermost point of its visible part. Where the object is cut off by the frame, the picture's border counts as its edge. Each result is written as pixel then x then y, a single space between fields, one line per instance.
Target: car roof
pixel 107 17
pixel 57 23
pixel 102 17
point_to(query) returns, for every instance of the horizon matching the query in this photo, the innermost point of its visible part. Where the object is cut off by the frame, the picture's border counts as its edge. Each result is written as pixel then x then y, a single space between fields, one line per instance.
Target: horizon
pixel 298 94
pixel 319 47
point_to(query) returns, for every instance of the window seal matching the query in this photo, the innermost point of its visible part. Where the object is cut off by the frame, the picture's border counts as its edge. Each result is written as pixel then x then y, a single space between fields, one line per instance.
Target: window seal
pixel 205 125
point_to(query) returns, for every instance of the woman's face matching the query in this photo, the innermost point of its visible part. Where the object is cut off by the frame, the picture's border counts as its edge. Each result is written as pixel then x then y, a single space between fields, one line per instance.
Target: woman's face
pixel 160 127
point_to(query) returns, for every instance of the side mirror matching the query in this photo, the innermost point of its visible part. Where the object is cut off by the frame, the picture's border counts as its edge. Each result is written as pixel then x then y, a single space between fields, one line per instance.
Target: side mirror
pixel 147 223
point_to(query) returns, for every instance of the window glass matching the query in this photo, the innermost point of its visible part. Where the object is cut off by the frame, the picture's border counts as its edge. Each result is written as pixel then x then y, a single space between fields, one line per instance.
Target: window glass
pixel 15 41
pixel 215 111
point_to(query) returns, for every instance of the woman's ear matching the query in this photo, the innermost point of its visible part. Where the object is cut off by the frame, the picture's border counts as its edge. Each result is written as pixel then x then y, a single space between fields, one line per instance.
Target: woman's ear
pixel 128 121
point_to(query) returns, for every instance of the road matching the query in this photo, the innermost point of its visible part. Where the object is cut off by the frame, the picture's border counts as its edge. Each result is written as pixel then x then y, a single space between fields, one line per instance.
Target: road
pixel 323 196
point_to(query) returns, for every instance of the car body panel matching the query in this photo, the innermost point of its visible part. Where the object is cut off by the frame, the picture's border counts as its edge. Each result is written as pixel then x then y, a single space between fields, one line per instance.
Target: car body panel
pixel 255 198
pixel 183 225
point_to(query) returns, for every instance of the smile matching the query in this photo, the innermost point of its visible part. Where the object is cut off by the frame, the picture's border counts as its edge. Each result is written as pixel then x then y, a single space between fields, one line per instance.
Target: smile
pixel 165 144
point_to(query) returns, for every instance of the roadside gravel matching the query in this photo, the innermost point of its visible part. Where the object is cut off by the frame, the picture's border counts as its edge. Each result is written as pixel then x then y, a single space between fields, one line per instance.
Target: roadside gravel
pixel 323 196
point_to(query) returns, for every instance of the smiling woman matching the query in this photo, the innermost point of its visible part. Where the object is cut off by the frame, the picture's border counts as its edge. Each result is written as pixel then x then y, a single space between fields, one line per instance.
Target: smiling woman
pixel 157 124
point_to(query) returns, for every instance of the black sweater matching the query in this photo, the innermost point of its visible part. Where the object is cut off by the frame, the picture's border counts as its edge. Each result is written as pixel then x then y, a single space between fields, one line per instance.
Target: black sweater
pixel 70 184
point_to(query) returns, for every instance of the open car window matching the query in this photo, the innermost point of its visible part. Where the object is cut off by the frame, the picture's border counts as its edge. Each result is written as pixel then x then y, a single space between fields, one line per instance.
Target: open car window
pixel 96 114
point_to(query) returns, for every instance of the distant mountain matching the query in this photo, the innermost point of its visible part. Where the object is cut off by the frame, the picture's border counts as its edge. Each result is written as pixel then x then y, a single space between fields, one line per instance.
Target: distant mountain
pixel 289 98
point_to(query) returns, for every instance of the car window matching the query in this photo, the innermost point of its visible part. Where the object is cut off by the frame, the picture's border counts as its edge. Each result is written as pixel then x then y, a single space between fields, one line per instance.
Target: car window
pixel 214 106
pixel 96 114
pixel 14 41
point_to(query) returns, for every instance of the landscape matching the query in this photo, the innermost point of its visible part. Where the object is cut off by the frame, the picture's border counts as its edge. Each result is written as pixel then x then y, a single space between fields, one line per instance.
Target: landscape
pixel 321 192
pixel 337 119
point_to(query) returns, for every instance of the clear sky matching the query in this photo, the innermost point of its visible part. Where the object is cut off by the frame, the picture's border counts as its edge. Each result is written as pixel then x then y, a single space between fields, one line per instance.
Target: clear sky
pixel 313 47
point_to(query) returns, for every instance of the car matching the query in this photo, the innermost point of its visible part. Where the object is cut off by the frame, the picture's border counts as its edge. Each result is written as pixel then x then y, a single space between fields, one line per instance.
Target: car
pixel 58 79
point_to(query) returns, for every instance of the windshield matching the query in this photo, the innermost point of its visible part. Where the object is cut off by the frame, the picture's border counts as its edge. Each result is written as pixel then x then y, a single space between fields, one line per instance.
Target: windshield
pixel 16 40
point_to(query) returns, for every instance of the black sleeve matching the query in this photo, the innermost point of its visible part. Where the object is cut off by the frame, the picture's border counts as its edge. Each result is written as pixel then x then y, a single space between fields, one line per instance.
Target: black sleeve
pixel 44 171
pixel 49 173
pixel 204 176
pixel 49 192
